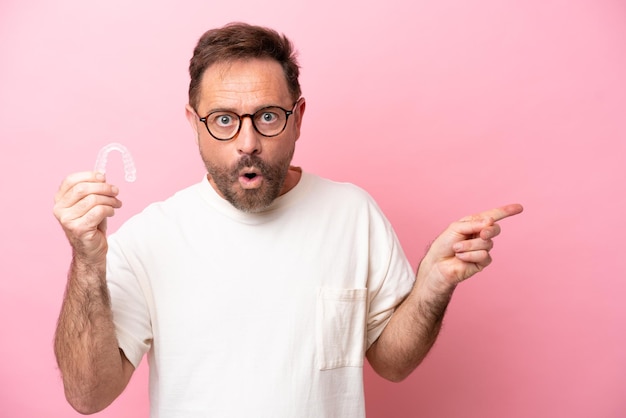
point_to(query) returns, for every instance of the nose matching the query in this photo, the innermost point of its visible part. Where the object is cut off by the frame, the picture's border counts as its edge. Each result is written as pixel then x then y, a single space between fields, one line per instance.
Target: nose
pixel 248 141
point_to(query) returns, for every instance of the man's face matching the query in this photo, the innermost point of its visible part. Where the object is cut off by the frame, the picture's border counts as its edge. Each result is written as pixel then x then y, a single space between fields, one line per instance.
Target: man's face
pixel 250 170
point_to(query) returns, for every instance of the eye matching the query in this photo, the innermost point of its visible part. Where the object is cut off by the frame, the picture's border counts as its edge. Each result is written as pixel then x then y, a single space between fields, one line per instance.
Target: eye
pixel 223 120
pixel 268 117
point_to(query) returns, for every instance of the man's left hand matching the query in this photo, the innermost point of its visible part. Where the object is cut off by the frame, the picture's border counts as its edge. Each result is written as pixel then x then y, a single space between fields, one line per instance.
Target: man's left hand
pixel 462 250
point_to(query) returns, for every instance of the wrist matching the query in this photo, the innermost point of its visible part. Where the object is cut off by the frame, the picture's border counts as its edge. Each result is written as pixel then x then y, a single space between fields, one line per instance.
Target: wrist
pixel 88 266
pixel 431 280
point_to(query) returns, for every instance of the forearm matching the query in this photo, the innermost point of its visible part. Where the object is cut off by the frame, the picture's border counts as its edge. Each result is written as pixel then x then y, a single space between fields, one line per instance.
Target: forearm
pixel 411 331
pixel 86 347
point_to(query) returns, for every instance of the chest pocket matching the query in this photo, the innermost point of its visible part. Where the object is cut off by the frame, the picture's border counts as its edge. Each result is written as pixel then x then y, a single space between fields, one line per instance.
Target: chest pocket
pixel 341 322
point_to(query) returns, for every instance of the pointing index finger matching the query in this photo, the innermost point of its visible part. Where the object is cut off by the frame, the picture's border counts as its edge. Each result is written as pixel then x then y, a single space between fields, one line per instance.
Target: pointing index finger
pixel 503 212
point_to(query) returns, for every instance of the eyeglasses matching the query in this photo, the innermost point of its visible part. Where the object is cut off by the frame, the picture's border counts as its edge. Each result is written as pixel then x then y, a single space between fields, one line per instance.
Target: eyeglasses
pixel 269 121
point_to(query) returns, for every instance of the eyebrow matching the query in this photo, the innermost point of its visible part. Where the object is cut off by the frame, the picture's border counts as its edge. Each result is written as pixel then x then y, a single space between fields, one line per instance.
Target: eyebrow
pixel 233 110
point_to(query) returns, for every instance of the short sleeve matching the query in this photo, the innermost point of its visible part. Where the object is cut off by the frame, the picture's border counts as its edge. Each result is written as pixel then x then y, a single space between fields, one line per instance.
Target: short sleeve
pixel 131 314
pixel 391 276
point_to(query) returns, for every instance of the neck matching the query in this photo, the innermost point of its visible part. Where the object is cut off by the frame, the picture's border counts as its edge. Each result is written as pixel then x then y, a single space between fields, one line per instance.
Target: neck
pixel 293 177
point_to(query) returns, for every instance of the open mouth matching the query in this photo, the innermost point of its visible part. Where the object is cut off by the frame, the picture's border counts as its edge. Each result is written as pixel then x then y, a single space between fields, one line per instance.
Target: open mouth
pixel 250 178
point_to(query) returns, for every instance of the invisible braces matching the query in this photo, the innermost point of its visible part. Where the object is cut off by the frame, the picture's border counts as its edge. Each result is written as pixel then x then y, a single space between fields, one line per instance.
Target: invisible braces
pixel 129 166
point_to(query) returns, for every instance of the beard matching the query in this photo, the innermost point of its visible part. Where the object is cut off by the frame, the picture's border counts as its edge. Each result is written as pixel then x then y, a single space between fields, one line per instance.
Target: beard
pixel 250 200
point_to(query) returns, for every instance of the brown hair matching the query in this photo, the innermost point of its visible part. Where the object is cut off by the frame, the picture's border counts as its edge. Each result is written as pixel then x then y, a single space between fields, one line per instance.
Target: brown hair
pixel 237 41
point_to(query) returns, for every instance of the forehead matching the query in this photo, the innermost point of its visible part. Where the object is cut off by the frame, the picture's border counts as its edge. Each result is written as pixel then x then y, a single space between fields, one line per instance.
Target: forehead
pixel 243 84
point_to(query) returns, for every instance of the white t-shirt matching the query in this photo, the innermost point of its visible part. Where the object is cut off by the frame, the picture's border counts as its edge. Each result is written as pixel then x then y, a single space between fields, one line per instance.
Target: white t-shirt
pixel 256 315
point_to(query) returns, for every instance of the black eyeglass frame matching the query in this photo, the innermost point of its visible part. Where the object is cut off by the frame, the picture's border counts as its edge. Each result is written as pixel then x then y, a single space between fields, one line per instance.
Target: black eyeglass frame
pixel 251 116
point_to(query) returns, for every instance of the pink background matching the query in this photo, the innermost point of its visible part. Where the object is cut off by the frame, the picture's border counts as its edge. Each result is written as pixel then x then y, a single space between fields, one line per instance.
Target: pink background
pixel 438 109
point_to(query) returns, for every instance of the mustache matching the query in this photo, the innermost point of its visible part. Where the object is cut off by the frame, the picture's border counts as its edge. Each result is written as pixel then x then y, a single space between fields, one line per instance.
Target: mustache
pixel 248 161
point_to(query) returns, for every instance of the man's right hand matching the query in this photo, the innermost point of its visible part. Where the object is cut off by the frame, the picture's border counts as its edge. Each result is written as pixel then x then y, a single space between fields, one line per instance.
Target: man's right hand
pixel 82 204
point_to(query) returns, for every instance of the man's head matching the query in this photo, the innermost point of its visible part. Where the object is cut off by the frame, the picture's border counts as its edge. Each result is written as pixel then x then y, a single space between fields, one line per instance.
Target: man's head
pixel 246 110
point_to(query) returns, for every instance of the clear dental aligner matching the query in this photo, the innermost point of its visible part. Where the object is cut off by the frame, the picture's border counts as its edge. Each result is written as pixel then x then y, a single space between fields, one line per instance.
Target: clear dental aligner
pixel 129 166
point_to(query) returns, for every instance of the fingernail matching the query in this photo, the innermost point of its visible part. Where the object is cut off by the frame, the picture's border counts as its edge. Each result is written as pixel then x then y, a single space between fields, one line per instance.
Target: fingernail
pixel 115 190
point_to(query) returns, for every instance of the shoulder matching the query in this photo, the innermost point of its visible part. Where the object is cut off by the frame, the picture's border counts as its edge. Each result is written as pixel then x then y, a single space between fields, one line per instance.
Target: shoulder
pixel 180 205
pixel 185 199
pixel 338 196
pixel 342 190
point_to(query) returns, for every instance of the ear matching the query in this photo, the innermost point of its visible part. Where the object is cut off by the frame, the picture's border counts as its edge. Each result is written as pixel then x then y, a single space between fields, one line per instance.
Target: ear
pixel 298 115
pixel 192 118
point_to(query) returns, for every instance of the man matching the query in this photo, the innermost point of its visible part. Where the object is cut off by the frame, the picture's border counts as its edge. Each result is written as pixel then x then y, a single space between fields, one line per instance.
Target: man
pixel 259 291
